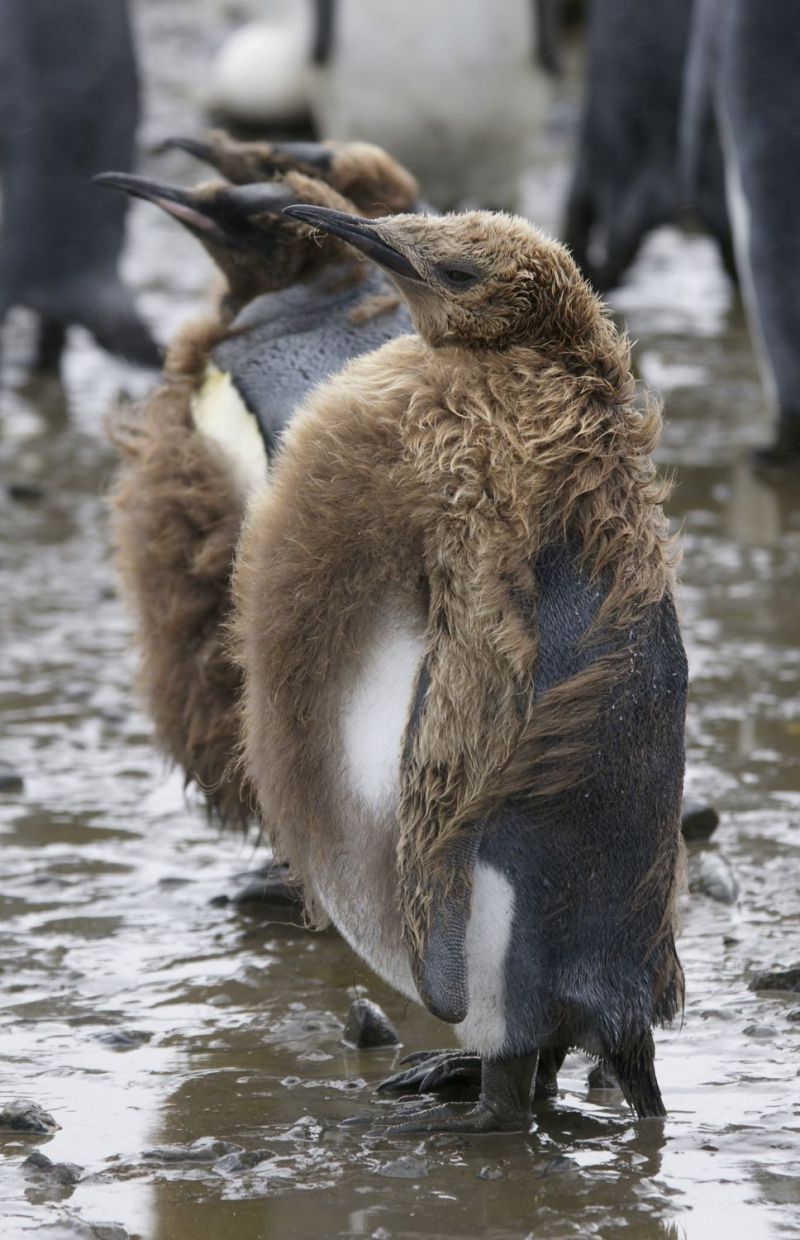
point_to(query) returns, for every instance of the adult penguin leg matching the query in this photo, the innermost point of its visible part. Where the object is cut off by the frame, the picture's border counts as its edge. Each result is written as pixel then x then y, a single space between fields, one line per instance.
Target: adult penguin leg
pixel 52 336
pixel 504 1104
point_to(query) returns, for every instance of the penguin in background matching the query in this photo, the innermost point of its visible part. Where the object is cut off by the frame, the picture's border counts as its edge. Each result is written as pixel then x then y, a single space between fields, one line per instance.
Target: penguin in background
pixel 455 89
pixel 626 178
pixel 69 107
pixel 742 76
pixel 465 686
pixel 294 310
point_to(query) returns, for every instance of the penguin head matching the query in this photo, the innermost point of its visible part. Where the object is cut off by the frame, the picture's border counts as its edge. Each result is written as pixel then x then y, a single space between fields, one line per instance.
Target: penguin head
pixel 256 247
pixel 363 173
pixel 478 279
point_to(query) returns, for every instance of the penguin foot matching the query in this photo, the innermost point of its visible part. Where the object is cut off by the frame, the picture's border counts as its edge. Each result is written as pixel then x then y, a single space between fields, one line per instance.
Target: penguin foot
pixel 783 453
pixel 432 1071
pixel 504 1104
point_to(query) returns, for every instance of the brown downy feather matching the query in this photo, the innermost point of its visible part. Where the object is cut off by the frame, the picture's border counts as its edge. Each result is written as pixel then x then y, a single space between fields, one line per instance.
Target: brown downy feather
pixel 177 516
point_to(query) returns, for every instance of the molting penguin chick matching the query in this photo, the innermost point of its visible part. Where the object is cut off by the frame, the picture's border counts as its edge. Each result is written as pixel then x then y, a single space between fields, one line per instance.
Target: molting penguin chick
pixel 366 174
pixel 465 686
pixel 69 106
pixel 202 443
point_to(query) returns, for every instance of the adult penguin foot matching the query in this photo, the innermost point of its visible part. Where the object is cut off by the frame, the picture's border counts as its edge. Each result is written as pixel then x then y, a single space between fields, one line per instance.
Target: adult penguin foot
pixel 431 1071
pixel 504 1105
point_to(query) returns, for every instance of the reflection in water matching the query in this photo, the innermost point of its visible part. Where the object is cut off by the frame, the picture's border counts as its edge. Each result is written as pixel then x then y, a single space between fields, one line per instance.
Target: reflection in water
pixel 227 1025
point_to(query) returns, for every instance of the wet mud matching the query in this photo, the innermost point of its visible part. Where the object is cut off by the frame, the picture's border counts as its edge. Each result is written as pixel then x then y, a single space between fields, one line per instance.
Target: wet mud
pixel 191 1047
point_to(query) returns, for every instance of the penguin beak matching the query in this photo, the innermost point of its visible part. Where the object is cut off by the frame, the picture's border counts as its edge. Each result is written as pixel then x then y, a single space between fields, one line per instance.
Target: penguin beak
pixel 193 146
pixel 312 155
pixel 217 215
pixel 181 204
pixel 358 232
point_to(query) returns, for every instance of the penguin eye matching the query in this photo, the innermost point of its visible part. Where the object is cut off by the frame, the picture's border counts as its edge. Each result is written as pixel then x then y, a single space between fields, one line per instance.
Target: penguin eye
pixel 457 277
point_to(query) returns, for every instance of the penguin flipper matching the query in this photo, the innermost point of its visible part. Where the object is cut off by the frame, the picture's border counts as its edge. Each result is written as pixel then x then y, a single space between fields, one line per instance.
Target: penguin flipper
pixel 438 956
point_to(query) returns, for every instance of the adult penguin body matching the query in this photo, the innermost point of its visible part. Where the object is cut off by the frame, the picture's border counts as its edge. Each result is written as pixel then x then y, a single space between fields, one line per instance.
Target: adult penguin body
pixel 459 106
pixel 465 686
pixel 68 108
pixel 743 71
pixel 294 310
pixel 626 180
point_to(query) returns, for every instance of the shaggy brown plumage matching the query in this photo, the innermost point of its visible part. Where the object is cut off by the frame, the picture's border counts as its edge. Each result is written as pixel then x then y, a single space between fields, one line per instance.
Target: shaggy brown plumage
pixel 177 514
pixel 436 471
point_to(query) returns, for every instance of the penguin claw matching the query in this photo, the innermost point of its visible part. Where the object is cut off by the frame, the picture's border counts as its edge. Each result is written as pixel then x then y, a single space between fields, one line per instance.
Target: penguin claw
pixel 434 1070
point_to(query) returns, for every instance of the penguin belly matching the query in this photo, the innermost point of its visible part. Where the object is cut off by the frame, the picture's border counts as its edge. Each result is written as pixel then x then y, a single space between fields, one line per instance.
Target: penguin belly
pixel 356 883
pixel 357 886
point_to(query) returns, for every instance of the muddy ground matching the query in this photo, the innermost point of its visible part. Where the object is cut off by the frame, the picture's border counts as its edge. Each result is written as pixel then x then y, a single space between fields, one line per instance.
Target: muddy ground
pixel 144 1008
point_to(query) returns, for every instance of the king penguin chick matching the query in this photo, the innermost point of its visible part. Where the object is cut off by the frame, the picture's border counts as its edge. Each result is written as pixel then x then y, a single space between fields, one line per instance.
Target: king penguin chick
pixel 69 106
pixel 364 173
pixel 465 685
pixel 202 442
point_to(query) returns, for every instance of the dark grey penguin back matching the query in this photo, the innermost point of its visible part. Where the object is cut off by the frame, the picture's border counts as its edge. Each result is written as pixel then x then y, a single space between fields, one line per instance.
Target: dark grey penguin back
pixel 593 867
pixel 284 343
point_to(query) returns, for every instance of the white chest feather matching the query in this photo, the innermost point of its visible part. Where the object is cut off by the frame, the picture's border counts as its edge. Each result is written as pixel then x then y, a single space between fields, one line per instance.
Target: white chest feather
pixel 220 414
pixel 375 711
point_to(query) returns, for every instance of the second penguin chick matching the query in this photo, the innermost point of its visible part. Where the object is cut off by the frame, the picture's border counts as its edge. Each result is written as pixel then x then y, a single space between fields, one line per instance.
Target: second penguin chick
pixel 465 685
pixel 203 441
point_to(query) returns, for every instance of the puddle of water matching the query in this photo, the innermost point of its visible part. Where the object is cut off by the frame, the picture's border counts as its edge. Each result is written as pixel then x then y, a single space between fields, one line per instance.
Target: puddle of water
pixel 227 1024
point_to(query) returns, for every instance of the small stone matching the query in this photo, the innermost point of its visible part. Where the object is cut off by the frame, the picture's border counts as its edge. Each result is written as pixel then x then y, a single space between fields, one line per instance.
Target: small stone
pixel 780 979
pixel 406 1167
pixel 269 886
pixel 760 1031
pixel 204 1150
pixel 123 1039
pixel 711 875
pixel 559 1164
pixel 794 1014
pixel 25 492
pixel 602 1076
pixel 230 1164
pixel 10 779
pixel 698 822
pixel 39 1164
pixel 21 1116
pixel 368 1026
pixel 490 1173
